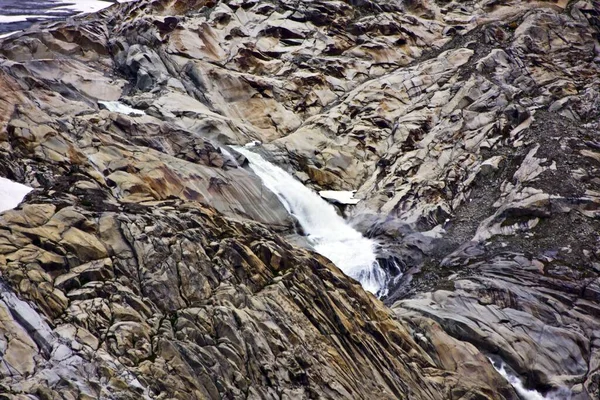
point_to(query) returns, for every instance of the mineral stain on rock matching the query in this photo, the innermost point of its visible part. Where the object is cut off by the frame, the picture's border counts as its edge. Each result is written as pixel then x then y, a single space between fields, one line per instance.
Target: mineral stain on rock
pixel 149 261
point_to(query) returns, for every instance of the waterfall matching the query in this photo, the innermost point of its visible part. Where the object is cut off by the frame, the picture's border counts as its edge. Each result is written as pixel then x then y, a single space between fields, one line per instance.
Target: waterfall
pixel 329 234
pixel 229 156
pixel 522 391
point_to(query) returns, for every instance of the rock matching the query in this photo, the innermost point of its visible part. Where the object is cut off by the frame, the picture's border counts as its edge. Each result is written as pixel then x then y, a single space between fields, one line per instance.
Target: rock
pixel 197 269
pixel 155 266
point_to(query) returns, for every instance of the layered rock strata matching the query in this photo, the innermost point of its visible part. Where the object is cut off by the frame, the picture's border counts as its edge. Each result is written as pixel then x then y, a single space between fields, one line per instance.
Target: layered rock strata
pixel 148 263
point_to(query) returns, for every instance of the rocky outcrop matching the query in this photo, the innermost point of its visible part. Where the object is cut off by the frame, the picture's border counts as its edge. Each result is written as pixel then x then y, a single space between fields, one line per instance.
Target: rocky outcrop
pixel 189 304
pixel 161 268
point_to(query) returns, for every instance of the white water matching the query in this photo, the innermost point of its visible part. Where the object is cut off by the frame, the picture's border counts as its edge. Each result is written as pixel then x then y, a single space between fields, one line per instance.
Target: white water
pixel 528 394
pixel 329 234
pixel 229 156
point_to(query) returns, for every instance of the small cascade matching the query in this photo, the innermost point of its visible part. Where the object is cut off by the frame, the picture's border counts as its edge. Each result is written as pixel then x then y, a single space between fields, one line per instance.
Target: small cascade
pixel 522 391
pixel 329 233
pixel 228 156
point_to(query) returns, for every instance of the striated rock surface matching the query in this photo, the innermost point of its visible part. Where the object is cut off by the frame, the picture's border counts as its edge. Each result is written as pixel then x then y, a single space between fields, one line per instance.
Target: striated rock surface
pixel 148 263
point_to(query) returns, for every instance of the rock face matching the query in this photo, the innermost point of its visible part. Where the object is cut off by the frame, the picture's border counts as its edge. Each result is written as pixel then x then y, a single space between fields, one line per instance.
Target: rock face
pixel 148 263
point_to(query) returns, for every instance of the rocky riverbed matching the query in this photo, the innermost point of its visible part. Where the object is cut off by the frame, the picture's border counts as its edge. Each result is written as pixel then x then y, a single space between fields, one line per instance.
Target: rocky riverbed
pixel 149 261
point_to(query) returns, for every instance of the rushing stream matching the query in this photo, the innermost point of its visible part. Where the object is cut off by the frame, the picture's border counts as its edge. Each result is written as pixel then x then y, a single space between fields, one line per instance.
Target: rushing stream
pixel 332 237
pixel 329 234
pixel 522 391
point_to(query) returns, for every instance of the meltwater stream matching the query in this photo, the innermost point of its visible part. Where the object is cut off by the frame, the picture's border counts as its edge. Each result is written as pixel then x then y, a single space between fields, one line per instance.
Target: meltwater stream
pixel 522 391
pixel 329 234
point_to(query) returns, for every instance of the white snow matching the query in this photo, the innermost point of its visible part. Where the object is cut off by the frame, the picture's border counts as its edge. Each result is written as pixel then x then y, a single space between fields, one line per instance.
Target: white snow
pixel 84 6
pixel 340 196
pixel 329 234
pixel 11 194
pixel 118 107
pixel 17 18
pixel 253 143
pixel 77 6
pixel 87 6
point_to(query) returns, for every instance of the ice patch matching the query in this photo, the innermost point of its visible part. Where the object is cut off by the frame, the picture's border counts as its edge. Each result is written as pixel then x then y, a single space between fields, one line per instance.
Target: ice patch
pixel 118 107
pixel 11 194
pixel 340 196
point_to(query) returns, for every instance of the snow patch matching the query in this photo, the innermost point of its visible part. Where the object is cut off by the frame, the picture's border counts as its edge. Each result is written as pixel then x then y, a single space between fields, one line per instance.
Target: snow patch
pixel 118 107
pixel 11 194
pixel 339 196
pixel 18 18
pixel 253 143
pixel 86 6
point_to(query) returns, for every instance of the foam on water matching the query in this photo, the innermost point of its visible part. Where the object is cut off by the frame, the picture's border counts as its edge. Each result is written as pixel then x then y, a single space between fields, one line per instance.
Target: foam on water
pixel 329 234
